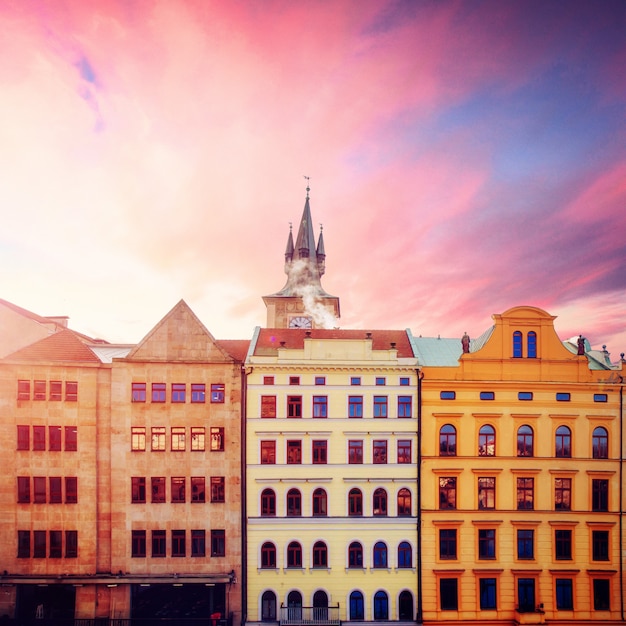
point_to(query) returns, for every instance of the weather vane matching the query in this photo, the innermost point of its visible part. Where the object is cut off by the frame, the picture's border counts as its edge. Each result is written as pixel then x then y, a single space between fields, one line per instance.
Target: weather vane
pixel 308 178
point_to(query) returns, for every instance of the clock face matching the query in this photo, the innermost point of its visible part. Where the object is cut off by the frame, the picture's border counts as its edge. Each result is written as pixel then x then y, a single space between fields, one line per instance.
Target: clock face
pixel 300 322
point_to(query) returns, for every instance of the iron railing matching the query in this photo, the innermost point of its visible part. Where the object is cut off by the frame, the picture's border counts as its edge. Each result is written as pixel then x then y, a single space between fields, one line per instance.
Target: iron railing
pixel 309 615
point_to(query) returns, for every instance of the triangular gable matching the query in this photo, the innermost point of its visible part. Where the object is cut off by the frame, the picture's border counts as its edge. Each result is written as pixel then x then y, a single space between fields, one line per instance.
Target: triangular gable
pixel 179 336
pixel 62 346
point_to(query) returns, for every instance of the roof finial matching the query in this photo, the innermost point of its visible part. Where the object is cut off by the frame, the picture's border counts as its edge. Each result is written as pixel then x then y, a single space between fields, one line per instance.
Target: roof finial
pixel 308 178
pixel 290 226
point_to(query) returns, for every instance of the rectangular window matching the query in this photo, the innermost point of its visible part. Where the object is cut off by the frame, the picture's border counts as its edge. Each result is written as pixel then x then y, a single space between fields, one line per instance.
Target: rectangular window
pixel 138 438
pixel 564 591
pixel 178 438
pixel 138 393
pixel 526 595
pixel 198 490
pixel 23 489
pixel 379 451
pixel 487 395
pixel 404 451
pixel 525 493
pixel 39 390
pixel 294 380
pixel 320 406
pixel 158 489
pixel 268 452
pixel 179 393
pixel 56 390
pixel 158 544
pixel 268 406
pixel 563 397
pixel 487 493
pixel 23 437
pixel 447 543
pixel 178 543
pixel 319 452
pixel 355 406
pixel 525 395
pixel 447 492
pixel 157 435
pixel 39 544
pixel 599 494
pixel 39 437
pixel 56 544
pixel 294 452
pixel 39 489
pixel 355 380
pixel 486 543
pixel 138 543
pixel 198 393
pixel 268 380
pixel 602 594
pixel 320 380
pixel 71 490
pixel 197 438
pixel 448 592
pixel 217 438
pixel 218 393
pixel 159 391
pixel 563 494
pixel 71 391
pixel 54 438
pixel 218 489
pixel 294 406
pixel 71 544
pixel 600 397
pixel 355 452
pixel 198 543
pixel 177 487
pixel 447 395
pixel 218 543
pixel 563 545
pixel 23 389
pixel 380 380
pixel 71 438
pixel 405 406
pixel 488 594
pixel 138 489
pixel 380 406
pixel 23 544
pixel 600 545
pixel 405 381
pixel 55 487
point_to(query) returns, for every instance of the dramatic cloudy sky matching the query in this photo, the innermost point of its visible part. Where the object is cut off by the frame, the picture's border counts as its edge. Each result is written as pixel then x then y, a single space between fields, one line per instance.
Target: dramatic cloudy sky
pixel 465 157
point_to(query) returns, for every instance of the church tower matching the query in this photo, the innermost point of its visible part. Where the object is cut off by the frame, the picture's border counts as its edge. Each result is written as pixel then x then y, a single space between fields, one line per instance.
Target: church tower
pixel 302 302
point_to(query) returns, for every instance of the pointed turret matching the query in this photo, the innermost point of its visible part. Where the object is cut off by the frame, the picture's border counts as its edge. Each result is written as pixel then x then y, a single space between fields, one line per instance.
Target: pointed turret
pixel 321 253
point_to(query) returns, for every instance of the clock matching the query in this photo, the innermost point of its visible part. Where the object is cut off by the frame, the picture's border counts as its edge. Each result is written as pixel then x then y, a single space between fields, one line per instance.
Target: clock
pixel 300 322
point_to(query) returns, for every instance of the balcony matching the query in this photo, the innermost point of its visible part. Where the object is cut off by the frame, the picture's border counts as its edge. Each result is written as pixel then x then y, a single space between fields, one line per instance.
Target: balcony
pixel 309 615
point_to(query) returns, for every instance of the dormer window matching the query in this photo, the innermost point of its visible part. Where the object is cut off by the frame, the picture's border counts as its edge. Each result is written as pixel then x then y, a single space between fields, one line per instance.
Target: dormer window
pixel 532 344
pixel 517 345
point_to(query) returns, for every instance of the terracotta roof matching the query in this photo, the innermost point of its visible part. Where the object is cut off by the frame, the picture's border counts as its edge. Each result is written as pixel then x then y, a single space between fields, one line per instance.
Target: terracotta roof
pixel 237 348
pixel 65 345
pixel 271 338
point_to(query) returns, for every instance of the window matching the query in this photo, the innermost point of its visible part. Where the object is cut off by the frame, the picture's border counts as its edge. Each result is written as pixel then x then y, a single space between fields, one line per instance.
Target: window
pixel 381 606
pixel 405 381
pixel 23 544
pixel 39 390
pixel 448 594
pixel 158 489
pixel 355 451
pixel 600 447
pixel 320 503
pixel 404 503
pixel 294 406
pixel 487 493
pixel 487 590
pixel 158 392
pixel 217 438
pixel 138 392
pixel 268 606
pixel 602 594
pixel 294 452
pixel 404 451
pixel 487 441
pixel 138 438
pixel 531 342
pixel 517 345
pixel 355 502
pixel 486 543
pixel 447 492
pixel 600 545
pixel 178 489
pixel 563 442
pixel 23 438
pixel 563 545
pixel 405 555
pixel 355 406
pixel 380 554
pixel 268 503
pixel 599 494
pixel 39 437
pixel 218 489
pixel 294 503
pixel 447 440
pixel 198 543
pixel 447 395
pixel 525 396
pixel 320 380
pixel 138 489
pixel 487 395
pixel 71 439
pixel 405 406
pixel 564 594
pixel 525 440
pixel 268 555
pixel 197 438
pixel 319 452
pixel 380 406
pixel 563 397
pixel 138 543
pixel 320 554
pixel 218 543
pixel 268 380
pixel 268 452
pixel 71 544
pixel 158 544
pixel 379 451
pixel 178 543
pixel 526 595
pixel 178 438
pixel 600 397
pixel 54 438
pixel 380 380
pixel 218 393
pixel 268 406
pixel 294 380
pixel 294 554
pixel 198 489
pixel 198 396
pixel 39 544
pixel 525 493
pixel 23 489
pixel 355 380
pixel 355 555
pixel 357 606
pixel 39 489
pixel 71 391
pixel 320 406
pixel 158 438
pixel 563 494
pixel 447 544
pixel 380 502
pixel 179 392
pixel 71 490
pixel 56 493
pixel 23 391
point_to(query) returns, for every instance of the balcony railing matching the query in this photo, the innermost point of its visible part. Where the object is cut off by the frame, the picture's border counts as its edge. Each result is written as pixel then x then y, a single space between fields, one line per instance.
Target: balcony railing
pixel 309 615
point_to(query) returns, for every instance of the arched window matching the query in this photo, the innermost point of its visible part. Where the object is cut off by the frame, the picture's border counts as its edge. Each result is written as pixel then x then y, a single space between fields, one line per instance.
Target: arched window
pixel 525 440
pixel 355 502
pixel 268 555
pixel 268 606
pixel 487 441
pixel 447 440
pixel 294 503
pixel 404 502
pixel 320 502
pixel 320 606
pixel 294 554
pixel 355 555
pixel 405 606
pixel 405 554
pixel 531 343
pixel 380 502
pixel 380 554
pixel 294 606
pixel 381 606
pixel 357 606
pixel 563 442
pixel 320 554
pixel 268 503
pixel 517 344
pixel 600 443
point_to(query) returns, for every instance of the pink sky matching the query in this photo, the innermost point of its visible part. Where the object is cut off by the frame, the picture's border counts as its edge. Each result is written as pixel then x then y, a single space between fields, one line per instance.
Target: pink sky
pixel 465 157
